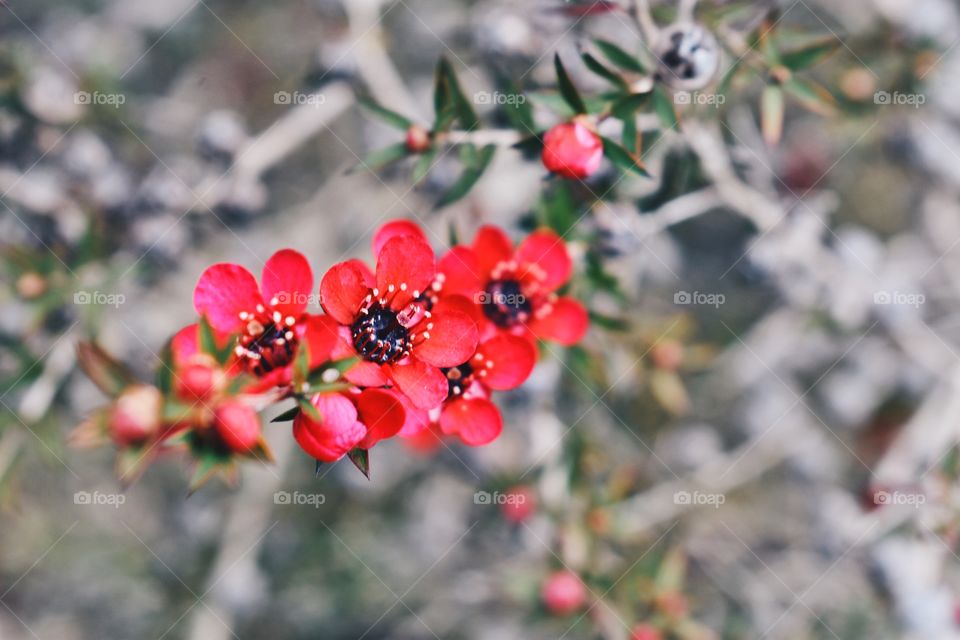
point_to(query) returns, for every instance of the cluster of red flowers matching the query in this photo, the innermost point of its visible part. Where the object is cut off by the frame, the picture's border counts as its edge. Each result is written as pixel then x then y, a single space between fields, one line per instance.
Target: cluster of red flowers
pixel 414 347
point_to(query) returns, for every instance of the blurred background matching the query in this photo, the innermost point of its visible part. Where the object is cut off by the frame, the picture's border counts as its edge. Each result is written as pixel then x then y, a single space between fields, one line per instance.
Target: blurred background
pixel 756 440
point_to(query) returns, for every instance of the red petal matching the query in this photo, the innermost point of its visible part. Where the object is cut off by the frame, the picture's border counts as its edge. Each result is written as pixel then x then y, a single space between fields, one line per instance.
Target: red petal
pixel 423 384
pixel 223 291
pixel 367 374
pixel 566 323
pixel 511 360
pixel 461 272
pixel 548 252
pixel 491 246
pixel 336 434
pixel 404 260
pixel 383 414
pixel 343 288
pixel 393 229
pixel 321 337
pixel 477 421
pixel 425 441
pixel 452 341
pixel 184 344
pixel 462 304
pixel 288 278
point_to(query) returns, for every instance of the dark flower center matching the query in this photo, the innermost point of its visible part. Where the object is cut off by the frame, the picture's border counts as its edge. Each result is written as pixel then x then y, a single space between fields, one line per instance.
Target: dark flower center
pixel 505 303
pixel 379 336
pixel 458 379
pixel 268 341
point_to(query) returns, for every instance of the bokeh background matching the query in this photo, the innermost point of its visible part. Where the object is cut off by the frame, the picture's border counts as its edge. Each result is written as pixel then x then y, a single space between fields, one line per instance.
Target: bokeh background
pixel 761 424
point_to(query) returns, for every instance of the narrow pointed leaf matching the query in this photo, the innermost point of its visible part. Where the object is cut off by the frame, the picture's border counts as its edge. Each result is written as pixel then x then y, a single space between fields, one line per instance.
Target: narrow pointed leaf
pixel 771 114
pixel 287 415
pixel 622 158
pixel 307 407
pixel 569 92
pixel 108 374
pixel 812 96
pixel 663 106
pixel 809 54
pixel 469 177
pixel 361 460
pixel 607 74
pixel 392 118
pixel 380 158
pixel 619 57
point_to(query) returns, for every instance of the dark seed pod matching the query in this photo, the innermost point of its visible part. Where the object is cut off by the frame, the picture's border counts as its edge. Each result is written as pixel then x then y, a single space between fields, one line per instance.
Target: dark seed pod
pixel 688 56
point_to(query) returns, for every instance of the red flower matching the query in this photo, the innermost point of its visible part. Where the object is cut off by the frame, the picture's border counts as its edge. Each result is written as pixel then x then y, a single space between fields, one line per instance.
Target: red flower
pixel 563 592
pixel 271 319
pixel 136 415
pixel 516 288
pixel 238 425
pixel 503 362
pixel 402 338
pixel 572 150
pixel 644 631
pixel 349 420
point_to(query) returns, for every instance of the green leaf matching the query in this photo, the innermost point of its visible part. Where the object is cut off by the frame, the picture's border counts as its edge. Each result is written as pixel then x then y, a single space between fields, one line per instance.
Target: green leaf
pixel 519 112
pixel 631 138
pixel 557 209
pixel 619 57
pixel 423 165
pixel 469 177
pixel 208 342
pixel 307 407
pixel 163 377
pixel 771 114
pixel 287 415
pixel 598 68
pixel 380 158
pixel 621 157
pixel 569 92
pixel 812 96
pixel 301 366
pixel 453 238
pixel 809 54
pixel 626 106
pixel 108 374
pixel 361 460
pixel 392 118
pixel 449 99
pixel 663 106
pixel 609 323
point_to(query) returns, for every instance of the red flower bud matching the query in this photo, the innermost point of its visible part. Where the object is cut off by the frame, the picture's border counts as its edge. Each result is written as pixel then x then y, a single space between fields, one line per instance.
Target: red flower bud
pixel 238 425
pixel 521 503
pixel 200 379
pixel 136 415
pixel 572 150
pixel 563 592
pixel 645 631
pixel 418 139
